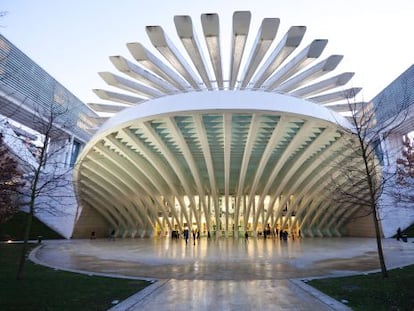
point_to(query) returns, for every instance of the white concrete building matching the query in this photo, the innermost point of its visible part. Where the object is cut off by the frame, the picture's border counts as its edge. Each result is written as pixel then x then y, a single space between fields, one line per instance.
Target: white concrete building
pixel 194 139
pixel 189 147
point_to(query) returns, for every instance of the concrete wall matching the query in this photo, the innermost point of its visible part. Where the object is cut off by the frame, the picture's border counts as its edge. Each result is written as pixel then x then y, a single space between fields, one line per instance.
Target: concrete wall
pixel 396 204
pixel 90 220
pixel 395 214
pixel 56 204
pixel 360 225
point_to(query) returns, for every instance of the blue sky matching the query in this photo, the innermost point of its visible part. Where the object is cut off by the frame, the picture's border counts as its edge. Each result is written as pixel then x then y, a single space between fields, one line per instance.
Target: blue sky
pixel 72 39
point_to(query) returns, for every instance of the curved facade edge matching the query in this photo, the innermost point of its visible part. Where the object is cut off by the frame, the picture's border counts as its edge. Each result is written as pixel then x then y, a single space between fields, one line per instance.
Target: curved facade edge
pixel 217 162
pixel 216 100
pixel 224 100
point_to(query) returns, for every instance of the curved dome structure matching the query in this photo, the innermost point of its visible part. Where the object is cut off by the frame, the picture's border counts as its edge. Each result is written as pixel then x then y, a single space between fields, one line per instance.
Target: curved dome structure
pixel 188 146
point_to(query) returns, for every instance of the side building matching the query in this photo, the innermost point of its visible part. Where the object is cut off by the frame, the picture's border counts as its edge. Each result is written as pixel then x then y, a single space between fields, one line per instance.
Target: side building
pixel 29 96
pixel 396 103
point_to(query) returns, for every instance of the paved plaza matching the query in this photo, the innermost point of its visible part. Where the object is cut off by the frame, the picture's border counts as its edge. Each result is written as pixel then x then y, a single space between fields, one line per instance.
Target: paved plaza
pixel 224 274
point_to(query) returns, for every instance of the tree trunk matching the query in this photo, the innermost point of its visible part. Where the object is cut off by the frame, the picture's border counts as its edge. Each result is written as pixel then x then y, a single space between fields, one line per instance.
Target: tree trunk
pixel 384 271
pixel 22 260
pixel 30 215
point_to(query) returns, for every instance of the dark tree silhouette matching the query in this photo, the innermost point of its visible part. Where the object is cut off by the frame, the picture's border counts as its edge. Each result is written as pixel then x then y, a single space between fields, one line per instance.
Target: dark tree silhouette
pixel 404 190
pixel 406 160
pixel 10 182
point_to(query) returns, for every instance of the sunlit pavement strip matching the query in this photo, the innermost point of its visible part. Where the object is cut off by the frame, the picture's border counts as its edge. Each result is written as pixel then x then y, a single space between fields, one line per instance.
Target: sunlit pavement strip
pixel 224 274
pixel 228 295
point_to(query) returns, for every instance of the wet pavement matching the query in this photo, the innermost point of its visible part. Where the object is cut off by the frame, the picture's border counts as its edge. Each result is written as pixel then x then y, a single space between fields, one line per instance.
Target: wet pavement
pixel 225 274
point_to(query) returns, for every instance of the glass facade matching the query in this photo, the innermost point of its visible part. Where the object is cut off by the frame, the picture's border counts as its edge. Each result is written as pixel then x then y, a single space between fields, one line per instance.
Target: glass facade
pixel 76 149
pixel 27 83
pixel 228 219
pixel 395 97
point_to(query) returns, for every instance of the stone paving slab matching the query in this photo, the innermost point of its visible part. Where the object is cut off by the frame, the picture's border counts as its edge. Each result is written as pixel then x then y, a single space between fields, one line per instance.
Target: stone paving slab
pixel 225 274
pixel 201 295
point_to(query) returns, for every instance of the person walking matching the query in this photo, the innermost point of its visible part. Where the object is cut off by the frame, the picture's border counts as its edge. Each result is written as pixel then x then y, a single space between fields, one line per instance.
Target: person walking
pixel 186 235
pixel 112 236
pixel 399 234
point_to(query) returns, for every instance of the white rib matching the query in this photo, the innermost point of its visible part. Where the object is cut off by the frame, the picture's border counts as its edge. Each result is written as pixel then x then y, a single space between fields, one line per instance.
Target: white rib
pixel 241 25
pixel 153 63
pixel 118 97
pixel 138 73
pixel 165 46
pixel 296 141
pixel 210 23
pixel 156 176
pixel 285 47
pixel 304 58
pixel 324 85
pixel 188 37
pixel 130 170
pixel 312 73
pixel 286 183
pixel 261 45
pixel 129 85
pixel 332 97
pixel 344 107
pixel 107 108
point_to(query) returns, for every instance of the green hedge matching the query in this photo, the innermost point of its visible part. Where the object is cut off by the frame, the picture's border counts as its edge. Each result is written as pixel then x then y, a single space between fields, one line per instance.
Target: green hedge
pixel 14 229
pixel 372 291
pixel 409 231
pixel 45 289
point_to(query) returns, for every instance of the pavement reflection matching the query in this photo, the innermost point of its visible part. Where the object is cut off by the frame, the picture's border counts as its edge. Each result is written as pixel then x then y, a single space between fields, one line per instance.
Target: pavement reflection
pixel 224 259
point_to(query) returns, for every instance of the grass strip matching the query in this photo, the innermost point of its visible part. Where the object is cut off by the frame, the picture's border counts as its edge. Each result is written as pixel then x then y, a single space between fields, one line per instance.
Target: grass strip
pixel 49 289
pixel 372 291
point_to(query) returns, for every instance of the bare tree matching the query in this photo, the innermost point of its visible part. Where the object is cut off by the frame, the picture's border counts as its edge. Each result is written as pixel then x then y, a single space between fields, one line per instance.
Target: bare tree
pixel 44 170
pixel 30 96
pixel 46 176
pixel 46 173
pixel 365 178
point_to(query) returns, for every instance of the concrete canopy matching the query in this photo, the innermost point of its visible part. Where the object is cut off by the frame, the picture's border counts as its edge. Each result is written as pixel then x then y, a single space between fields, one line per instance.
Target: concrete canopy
pixel 252 152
